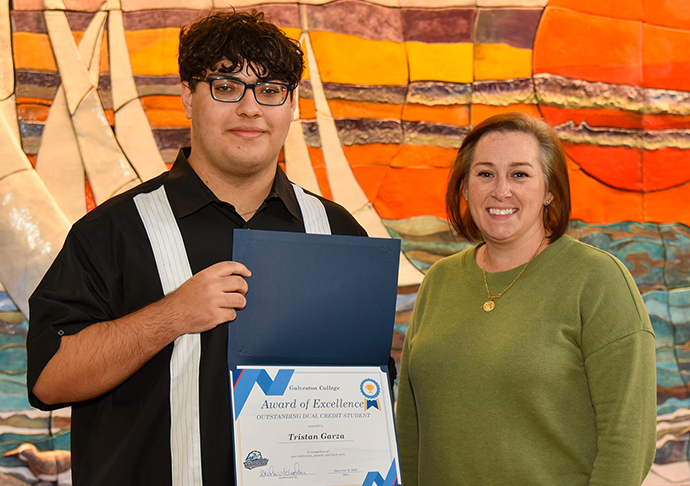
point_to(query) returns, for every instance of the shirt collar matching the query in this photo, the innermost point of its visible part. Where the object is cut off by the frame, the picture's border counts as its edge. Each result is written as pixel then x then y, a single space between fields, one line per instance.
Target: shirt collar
pixel 188 193
pixel 283 190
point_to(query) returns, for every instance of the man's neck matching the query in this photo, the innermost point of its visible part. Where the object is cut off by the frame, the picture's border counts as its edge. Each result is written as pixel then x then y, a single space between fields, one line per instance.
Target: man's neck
pixel 245 192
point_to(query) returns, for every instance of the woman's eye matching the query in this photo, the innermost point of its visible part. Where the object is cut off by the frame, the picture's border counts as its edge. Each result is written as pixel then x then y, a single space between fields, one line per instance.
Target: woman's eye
pixel 520 175
pixel 484 174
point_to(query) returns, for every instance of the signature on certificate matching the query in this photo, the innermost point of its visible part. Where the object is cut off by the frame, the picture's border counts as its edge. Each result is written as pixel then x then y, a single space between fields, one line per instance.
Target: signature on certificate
pixel 283 473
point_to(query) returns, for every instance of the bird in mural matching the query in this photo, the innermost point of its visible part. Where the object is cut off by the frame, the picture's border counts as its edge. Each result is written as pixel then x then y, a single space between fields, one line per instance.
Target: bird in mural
pixel 43 464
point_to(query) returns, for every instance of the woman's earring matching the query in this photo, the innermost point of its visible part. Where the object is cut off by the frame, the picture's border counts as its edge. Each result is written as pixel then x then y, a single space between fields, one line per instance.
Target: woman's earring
pixel 548 202
pixel 466 198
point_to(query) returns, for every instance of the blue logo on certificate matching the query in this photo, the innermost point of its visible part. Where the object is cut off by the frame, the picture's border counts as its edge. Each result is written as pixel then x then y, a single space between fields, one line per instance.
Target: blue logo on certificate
pixel 370 389
pixel 254 459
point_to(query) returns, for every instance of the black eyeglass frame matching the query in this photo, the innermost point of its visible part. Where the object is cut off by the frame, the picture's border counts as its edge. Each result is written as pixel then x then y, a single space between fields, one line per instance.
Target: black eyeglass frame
pixel 210 79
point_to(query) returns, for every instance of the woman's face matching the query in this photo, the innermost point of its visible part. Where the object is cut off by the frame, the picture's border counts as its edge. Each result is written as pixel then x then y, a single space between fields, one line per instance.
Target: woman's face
pixel 506 188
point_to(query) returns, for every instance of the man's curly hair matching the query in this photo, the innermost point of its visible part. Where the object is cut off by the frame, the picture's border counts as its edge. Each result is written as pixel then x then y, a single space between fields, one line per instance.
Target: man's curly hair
pixel 227 41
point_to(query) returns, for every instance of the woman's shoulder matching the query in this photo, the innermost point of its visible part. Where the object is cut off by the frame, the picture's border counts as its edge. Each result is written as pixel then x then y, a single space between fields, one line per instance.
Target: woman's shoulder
pixel 594 269
pixel 586 256
pixel 452 262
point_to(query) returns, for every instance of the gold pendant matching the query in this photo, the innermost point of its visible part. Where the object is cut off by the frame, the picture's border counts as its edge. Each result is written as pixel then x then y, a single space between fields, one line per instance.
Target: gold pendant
pixel 489 305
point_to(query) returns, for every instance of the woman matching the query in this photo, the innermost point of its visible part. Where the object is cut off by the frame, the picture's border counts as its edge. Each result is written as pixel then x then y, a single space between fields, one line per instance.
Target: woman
pixel 530 357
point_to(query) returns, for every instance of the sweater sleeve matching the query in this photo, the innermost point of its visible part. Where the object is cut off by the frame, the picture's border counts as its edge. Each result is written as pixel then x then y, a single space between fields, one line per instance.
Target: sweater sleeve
pixel 406 420
pixel 622 381
pixel 619 358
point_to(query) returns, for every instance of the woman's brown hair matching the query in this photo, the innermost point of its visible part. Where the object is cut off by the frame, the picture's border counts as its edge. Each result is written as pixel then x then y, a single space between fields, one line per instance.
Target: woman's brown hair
pixel 551 156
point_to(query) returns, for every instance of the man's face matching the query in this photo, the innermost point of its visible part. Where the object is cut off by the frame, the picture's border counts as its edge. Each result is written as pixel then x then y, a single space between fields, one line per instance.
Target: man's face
pixel 235 140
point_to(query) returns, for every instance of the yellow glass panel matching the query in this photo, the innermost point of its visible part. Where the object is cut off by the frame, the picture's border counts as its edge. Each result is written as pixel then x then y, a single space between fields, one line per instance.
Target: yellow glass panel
pixel 33 51
pixel 349 59
pixel 153 51
pixel 501 61
pixel 451 63
pixel 292 32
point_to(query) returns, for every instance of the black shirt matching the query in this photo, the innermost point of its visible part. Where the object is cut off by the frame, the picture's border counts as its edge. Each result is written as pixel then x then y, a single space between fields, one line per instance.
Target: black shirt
pixel 106 270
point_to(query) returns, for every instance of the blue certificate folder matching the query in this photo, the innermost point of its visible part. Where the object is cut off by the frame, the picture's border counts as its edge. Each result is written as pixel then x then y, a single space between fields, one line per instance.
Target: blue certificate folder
pixel 314 299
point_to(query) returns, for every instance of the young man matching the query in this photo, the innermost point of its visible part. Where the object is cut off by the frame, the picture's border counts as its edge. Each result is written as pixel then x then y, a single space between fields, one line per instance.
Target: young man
pixel 146 375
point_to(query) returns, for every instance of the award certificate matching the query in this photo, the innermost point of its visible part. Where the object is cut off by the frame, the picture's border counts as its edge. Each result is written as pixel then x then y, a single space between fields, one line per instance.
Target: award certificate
pixel 313 426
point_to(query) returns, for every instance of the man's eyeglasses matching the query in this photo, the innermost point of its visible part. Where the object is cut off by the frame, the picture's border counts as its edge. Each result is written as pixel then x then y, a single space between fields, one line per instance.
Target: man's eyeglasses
pixel 231 90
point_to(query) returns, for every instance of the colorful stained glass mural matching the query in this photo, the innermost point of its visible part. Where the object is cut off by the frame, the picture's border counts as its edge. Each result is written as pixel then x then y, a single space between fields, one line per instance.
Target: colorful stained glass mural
pixel 89 107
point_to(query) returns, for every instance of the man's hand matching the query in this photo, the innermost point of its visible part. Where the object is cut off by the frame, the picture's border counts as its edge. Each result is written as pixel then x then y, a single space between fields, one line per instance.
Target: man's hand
pixel 103 355
pixel 209 298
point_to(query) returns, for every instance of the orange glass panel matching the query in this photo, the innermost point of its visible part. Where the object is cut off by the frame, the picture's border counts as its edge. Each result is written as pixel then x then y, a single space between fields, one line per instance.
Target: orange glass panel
pixel 409 192
pixel 595 117
pixel 450 114
pixel 668 13
pixel 482 112
pixel 34 101
pixel 33 51
pixel 105 61
pixel 165 111
pixel 597 203
pixel 374 154
pixel 90 201
pixel 666 58
pixel 619 167
pixel 316 156
pixel 665 168
pixel 588 47
pixel 618 9
pixel 322 179
pixel 370 178
pixel 668 206
pixel 31 112
pixel 360 109
pixel 307 109
pixel 424 156
pixel 666 121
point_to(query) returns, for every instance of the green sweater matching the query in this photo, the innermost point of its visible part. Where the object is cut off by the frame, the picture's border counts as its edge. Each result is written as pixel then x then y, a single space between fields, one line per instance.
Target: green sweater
pixel 556 386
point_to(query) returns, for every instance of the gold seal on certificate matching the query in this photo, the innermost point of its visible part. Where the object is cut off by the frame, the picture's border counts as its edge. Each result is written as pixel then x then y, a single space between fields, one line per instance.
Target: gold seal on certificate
pixel 371 390
pixel 316 426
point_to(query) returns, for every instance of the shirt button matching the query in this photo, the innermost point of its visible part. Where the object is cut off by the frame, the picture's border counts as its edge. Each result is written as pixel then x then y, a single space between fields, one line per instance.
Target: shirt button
pixel 61 332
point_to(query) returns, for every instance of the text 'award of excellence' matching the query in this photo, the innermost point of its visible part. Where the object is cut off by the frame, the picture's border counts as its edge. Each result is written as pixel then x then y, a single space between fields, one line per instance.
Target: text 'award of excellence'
pixel 308 360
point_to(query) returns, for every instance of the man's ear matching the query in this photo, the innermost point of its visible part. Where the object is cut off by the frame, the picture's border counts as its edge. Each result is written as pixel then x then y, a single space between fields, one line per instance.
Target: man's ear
pixel 293 102
pixel 187 95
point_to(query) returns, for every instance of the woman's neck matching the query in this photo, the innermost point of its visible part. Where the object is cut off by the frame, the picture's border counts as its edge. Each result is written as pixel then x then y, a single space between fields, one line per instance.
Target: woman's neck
pixel 499 258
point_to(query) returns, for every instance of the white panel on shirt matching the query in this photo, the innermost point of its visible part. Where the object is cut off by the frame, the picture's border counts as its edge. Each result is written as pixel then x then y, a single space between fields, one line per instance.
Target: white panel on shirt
pixel 174 269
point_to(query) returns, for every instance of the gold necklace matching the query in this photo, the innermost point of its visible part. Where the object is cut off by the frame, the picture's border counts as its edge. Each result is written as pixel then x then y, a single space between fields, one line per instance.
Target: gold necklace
pixel 490 304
